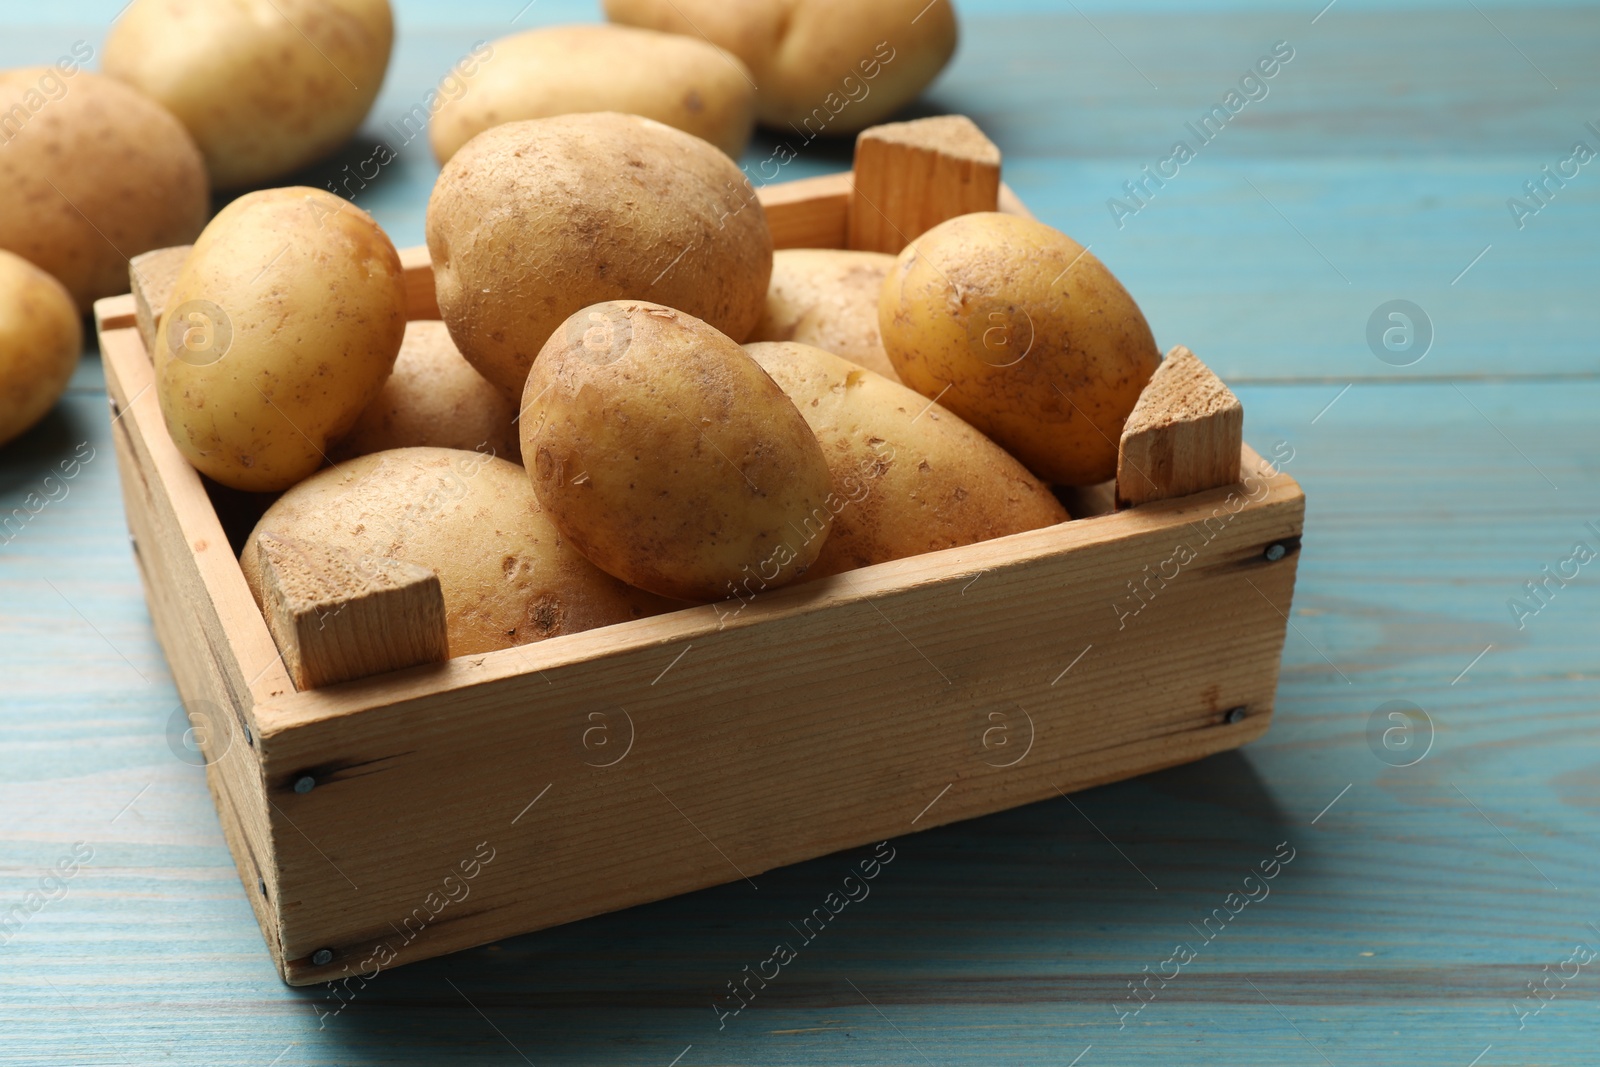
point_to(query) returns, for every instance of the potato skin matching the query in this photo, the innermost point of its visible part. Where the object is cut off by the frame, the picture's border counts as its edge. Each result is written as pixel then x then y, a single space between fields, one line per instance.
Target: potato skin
pixel 918 479
pixel 265 86
pixel 828 298
pixel 670 458
pixel 533 221
pixel 984 312
pixel 283 325
pixel 91 177
pixel 681 81
pixel 433 399
pixel 41 339
pixel 507 575
pixel 843 65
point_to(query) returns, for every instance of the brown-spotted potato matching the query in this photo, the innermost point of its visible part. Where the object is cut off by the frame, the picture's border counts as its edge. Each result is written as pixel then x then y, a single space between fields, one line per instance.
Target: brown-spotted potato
pixel 824 67
pixel 532 221
pixel 828 298
pixel 669 458
pixel 915 477
pixel 280 330
pixel 40 341
pixel 265 86
pixel 682 81
pixel 507 575
pixel 1018 329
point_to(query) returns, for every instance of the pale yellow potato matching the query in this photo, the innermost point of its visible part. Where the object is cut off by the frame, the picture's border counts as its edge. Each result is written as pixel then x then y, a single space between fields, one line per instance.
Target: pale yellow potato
pixel 41 338
pixel 1020 331
pixel 433 398
pixel 915 477
pixel 828 298
pixel 92 174
pixel 533 221
pixel 265 86
pixel 682 81
pixel 669 457
pixel 280 330
pixel 823 67
pixel 508 577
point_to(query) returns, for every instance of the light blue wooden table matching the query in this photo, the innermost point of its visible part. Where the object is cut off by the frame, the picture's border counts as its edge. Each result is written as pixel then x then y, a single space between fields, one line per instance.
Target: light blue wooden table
pixel 1423 902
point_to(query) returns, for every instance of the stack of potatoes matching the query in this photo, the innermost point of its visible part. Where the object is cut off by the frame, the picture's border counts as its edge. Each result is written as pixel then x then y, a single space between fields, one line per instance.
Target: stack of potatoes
pixel 629 401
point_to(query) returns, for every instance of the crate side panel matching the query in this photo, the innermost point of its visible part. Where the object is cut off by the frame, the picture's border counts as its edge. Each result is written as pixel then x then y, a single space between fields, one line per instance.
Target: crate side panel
pixel 610 782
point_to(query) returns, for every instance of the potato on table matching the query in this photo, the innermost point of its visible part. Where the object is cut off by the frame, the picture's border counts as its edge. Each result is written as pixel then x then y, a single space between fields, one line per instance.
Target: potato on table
pixel 682 81
pixel 265 86
pixel 92 173
pixel 670 458
pixel 433 399
pixel 533 221
pixel 828 298
pixel 915 477
pixel 40 341
pixel 822 66
pixel 507 575
pixel 1023 333
pixel 283 325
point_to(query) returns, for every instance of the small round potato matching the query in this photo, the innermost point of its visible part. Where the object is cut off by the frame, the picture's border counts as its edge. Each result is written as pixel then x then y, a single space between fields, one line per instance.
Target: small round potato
pixel 265 86
pixel 670 459
pixel 40 341
pixel 434 398
pixel 682 81
pixel 92 173
pixel 533 221
pixel 507 576
pixel 823 66
pixel 1023 333
pixel 281 328
pixel 916 478
pixel 829 299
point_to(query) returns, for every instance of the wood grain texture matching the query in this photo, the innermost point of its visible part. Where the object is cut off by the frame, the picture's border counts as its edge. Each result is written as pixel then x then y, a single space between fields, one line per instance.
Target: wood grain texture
pixel 152 276
pixel 336 618
pixel 1409 923
pixel 911 176
pixel 1183 436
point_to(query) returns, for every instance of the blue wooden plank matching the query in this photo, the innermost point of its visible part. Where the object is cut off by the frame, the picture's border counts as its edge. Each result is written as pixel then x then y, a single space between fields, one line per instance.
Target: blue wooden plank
pixel 1422 899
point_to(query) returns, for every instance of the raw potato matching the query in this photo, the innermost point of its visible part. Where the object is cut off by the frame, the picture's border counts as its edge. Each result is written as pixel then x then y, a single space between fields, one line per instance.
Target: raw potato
pixel 433 398
pixel 92 173
pixel 824 66
pixel 916 478
pixel 682 81
pixel 282 327
pixel 828 298
pixel 670 459
pixel 507 576
pixel 40 341
pixel 1020 331
pixel 533 221
pixel 265 86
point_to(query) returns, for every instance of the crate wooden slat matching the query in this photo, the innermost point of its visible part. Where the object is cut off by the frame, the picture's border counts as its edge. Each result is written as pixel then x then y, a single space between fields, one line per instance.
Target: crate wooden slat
pixel 862 706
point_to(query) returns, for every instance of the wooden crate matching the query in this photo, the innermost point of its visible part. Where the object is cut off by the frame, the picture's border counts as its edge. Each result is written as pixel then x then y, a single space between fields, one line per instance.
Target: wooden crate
pixel 402 816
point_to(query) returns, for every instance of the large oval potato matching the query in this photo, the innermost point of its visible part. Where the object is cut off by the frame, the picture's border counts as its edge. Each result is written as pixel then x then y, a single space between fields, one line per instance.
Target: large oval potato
pixel 93 173
pixel 280 330
pixel 822 66
pixel 265 86
pixel 433 399
pixel 40 341
pixel 916 478
pixel 828 298
pixel 507 575
pixel 669 458
pixel 533 221
pixel 682 81
pixel 1023 333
